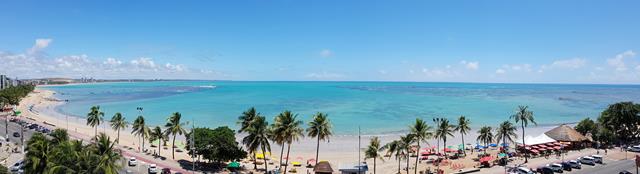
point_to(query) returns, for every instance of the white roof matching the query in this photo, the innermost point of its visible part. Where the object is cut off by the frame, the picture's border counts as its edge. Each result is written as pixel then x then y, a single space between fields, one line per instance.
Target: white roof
pixel 540 139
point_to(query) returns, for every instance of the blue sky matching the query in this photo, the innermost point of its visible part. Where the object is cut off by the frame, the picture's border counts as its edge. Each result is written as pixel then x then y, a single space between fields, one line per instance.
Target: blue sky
pixel 460 41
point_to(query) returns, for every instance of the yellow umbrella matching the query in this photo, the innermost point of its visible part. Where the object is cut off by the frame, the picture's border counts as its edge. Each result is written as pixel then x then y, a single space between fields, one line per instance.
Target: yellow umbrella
pixel 259 156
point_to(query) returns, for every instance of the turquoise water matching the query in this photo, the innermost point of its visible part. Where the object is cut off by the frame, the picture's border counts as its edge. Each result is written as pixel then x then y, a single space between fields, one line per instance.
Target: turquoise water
pixel 378 107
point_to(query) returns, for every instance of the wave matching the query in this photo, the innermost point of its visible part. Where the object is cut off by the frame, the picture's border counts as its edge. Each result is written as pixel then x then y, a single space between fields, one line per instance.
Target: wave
pixel 207 86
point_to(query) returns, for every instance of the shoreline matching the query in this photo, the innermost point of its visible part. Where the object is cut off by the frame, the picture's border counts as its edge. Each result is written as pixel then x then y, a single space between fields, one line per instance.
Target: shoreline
pixel 341 150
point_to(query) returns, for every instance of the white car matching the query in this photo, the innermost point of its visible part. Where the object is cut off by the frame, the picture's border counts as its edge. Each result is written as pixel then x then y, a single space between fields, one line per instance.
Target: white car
pixel 597 158
pixel 587 160
pixel 523 170
pixel 556 167
pixel 634 149
pixel 575 164
pixel 133 161
pixel 152 168
pixel 17 167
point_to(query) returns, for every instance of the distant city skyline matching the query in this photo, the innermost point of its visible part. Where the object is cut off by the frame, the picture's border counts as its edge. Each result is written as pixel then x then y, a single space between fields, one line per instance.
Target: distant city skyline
pixel 431 41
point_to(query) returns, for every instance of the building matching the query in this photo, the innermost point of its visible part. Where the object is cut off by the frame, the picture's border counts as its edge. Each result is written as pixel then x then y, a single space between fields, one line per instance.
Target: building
pixel 5 82
pixel 354 169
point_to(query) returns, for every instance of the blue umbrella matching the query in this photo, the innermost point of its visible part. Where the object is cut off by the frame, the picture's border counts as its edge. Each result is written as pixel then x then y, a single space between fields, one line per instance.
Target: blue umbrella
pixel 493 145
pixel 504 145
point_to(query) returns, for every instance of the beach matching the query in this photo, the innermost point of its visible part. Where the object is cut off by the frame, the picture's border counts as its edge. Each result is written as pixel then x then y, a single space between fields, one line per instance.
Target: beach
pixel 341 150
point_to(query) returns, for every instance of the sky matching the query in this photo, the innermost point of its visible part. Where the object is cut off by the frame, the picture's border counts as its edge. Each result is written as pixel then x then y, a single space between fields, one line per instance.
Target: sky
pixel 542 41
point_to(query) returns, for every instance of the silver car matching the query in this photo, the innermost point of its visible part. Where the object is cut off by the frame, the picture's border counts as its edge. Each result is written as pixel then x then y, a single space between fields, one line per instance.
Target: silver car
pixel 597 158
pixel 575 164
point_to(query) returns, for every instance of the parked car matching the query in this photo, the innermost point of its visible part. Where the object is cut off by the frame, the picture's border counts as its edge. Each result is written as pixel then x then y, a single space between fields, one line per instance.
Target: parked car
pixel 544 170
pixel 625 172
pixel 523 170
pixel 566 166
pixel 587 160
pixel 634 148
pixel 166 171
pixel 16 134
pixel 597 158
pixel 575 164
pixel 133 161
pixel 555 167
pixel 17 167
pixel 153 169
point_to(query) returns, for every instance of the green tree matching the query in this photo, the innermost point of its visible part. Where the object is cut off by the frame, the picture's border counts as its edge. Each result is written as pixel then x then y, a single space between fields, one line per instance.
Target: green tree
pixel 373 152
pixel 38 154
pixel 118 122
pixel 405 144
pixel 485 136
pixel 506 132
pixel 587 126
pixel 140 129
pixel 524 116
pixel 257 138
pixel 463 127
pixel 320 128
pixel 94 118
pixel 421 132
pixel 290 129
pixel 217 145
pixel 443 130
pixel 108 162
pixel 246 118
pixel 157 134
pixel 395 149
pixel 174 127
pixel 622 119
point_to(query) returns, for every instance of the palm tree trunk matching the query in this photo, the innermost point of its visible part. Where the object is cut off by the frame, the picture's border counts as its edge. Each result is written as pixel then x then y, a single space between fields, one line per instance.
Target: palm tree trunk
pixel 266 168
pixel 417 156
pixel 444 143
pixel 374 165
pixel 525 152
pixel 281 153
pixel 118 139
pixel 408 157
pixel 464 150
pixel 142 142
pixel 159 141
pixel 318 150
pixel 95 134
pixel 173 146
pixel 398 164
pixel 287 160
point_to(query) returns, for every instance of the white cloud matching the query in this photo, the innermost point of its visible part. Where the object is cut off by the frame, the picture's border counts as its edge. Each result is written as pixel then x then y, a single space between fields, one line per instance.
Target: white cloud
pixel 39 45
pixel 500 71
pixel 326 53
pixel 383 72
pixel 325 75
pixel 618 61
pixel 35 64
pixel 470 65
pixel 574 63
pixel 518 67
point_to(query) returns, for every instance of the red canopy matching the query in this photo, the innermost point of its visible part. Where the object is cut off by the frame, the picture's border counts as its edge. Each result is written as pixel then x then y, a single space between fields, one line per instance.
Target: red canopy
pixel 535 151
pixel 542 146
pixel 557 147
pixel 534 147
pixel 528 148
pixel 486 159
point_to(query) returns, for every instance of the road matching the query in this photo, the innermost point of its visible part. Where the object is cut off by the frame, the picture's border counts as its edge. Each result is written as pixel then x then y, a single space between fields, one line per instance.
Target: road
pixel 612 167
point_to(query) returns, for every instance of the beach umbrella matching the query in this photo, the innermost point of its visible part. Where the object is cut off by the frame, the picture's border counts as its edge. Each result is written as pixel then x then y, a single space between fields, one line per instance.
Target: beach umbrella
pixel 542 146
pixel 502 155
pixel 259 156
pixel 557 147
pixel 493 145
pixel 234 164
pixel 504 144
pixel 535 151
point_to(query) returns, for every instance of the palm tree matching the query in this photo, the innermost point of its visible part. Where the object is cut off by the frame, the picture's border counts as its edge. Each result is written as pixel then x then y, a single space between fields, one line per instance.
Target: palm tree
pixel 118 123
pixel 420 131
pixel 291 129
pixel 394 148
pixel 405 146
pixel 463 127
pixel 174 127
pixel 320 128
pixel 373 150
pixel 485 136
pixel 108 157
pixel 140 129
pixel 506 132
pixel 157 134
pixel 246 118
pixel 38 154
pixel 257 138
pixel 443 130
pixel 59 136
pixel 94 118
pixel 524 116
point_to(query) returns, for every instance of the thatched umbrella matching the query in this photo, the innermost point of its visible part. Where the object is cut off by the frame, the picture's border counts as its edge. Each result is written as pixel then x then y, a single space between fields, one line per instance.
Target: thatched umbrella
pixel 565 133
pixel 323 167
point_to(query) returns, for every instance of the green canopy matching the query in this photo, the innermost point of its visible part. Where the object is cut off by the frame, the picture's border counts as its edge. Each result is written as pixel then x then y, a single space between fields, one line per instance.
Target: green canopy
pixel 234 164
pixel 17 112
pixel 501 155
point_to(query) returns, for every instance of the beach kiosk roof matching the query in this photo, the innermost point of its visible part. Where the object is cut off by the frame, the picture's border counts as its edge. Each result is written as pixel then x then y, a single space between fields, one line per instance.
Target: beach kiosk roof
pixel 565 133
pixel 323 167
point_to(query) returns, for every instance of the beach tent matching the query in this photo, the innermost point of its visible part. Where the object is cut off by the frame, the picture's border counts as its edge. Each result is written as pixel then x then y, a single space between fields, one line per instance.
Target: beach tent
pixel 540 139
pixel 565 133
pixel 323 167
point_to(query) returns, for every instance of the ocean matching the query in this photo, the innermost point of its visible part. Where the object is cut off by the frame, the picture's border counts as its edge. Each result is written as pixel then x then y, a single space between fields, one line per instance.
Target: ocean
pixel 375 107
